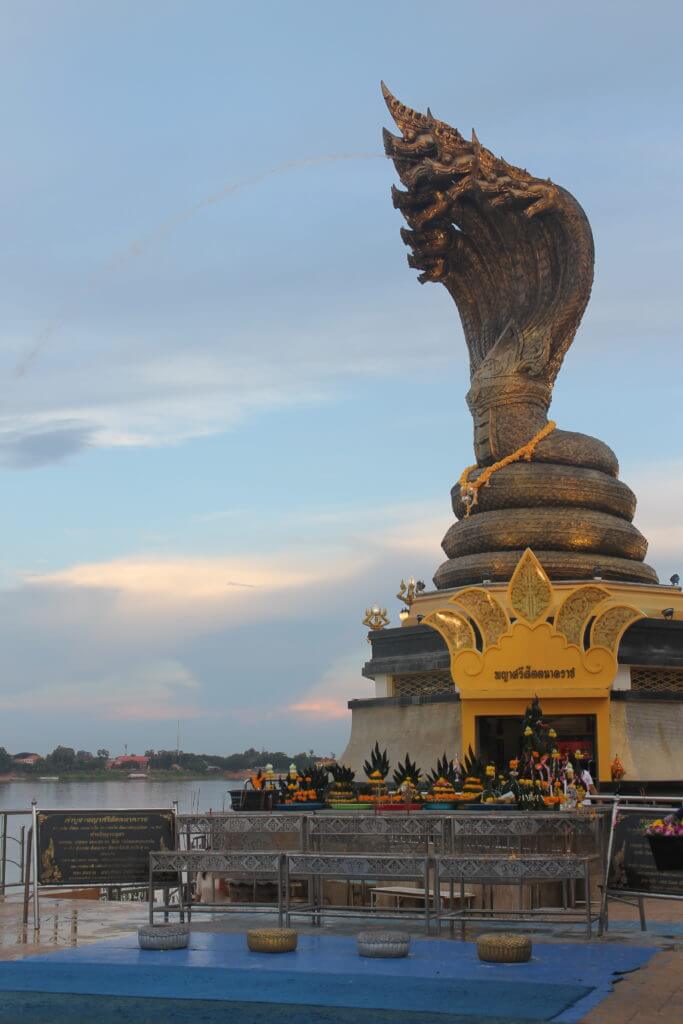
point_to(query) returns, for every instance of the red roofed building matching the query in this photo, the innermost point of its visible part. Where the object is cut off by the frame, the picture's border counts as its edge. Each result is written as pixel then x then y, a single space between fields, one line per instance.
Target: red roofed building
pixel 26 758
pixel 135 762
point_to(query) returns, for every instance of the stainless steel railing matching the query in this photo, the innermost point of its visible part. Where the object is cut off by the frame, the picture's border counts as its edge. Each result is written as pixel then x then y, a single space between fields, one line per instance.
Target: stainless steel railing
pixel 13 850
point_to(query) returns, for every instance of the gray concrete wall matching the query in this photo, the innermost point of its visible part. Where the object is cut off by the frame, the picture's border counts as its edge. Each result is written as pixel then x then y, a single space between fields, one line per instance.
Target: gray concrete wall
pixel 425 731
pixel 648 737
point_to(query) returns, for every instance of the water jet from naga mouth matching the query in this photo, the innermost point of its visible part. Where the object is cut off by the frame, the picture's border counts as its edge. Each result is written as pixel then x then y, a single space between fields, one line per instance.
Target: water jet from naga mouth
pixel 140 245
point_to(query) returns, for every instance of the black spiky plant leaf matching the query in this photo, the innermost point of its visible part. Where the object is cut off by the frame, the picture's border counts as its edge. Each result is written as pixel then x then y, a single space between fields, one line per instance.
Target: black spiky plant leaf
pixel 474 767
pixel 341 773
pixel 319 777
pixel 445 769
pixel 379 762
pixel 407 770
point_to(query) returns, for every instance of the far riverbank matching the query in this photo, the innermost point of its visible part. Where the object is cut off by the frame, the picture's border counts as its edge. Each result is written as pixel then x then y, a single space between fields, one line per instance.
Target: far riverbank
pixel 159 775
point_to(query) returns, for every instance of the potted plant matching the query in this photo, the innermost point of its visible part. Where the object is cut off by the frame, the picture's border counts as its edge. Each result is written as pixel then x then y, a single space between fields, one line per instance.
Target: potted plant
pixel 406 779
pixel 342 796
pixel 444 781
pixel 665 836
pixel 376 769
pixel 472 786
pixel 302 792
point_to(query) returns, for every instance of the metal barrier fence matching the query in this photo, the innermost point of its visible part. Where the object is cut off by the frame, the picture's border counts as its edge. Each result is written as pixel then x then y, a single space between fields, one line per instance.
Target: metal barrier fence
pixel 457 832
pixel 531 869
pixel 13 850
pixel 314 868
pixel 428 871
pixel 187 862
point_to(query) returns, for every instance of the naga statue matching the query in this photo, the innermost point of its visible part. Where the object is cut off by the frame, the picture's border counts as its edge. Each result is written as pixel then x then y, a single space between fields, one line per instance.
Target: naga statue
pixel 516 254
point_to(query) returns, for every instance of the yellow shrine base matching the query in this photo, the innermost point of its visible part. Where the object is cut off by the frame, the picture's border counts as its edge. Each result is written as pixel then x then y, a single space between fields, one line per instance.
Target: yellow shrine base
pixel 535 638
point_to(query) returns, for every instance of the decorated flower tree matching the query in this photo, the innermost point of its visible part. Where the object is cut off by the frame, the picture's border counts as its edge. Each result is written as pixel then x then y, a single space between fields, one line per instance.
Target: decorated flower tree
pixel 342 791
pixel 538 778
pixel 474 775
pixel 444 781
pixel 377 769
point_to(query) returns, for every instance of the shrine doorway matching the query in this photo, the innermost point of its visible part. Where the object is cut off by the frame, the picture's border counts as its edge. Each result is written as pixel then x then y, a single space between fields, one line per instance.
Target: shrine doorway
pixel 498 736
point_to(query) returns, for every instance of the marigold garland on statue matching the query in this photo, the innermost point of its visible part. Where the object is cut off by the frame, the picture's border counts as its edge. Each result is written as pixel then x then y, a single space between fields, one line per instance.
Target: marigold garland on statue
pixel 469 490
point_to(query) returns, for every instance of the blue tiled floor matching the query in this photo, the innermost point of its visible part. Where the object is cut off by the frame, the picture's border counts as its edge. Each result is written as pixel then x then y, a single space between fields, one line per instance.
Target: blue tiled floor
pixel 441 981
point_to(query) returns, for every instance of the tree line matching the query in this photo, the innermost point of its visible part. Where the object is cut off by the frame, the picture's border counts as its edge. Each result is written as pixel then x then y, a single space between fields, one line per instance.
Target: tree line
pixel 66 759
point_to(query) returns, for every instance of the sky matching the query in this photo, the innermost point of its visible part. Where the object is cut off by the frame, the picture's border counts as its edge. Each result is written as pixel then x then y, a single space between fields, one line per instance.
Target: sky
pixel 230 416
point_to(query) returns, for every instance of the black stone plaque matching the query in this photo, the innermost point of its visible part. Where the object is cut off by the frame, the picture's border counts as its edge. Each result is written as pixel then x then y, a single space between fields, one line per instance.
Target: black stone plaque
pixel 632 866
pixel 102 847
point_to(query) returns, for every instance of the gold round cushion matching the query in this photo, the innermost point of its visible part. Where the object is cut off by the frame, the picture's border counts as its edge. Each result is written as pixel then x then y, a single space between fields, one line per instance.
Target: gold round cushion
pixel 504 948
pixel 271 940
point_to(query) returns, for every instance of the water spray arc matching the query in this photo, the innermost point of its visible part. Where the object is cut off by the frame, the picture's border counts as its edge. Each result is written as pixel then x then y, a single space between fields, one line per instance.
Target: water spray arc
pixel 139 246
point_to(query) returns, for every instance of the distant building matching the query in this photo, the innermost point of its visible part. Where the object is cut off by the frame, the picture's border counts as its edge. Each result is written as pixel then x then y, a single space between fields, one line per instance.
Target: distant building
pixel 26 758
pixel 134 762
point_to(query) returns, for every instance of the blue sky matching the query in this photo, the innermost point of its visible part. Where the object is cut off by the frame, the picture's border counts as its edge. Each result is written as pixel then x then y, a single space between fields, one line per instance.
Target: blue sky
pixel 199 395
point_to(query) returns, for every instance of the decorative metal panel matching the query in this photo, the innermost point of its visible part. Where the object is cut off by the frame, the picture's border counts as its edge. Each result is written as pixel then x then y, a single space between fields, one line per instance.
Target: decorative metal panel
pixel 233 821
pixel 209 860
pixel 395 824
pixel 511 868
pixel 356 867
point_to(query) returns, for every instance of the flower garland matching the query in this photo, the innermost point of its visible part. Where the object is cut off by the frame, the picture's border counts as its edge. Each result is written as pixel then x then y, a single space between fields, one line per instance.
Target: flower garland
pixel 469 490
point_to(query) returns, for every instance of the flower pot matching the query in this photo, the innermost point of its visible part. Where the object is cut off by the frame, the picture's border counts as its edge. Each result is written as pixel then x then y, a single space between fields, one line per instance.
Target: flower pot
pixel 667 852
pixel 398 807
pixel 301 806
pixel 255 800
pixel 496 805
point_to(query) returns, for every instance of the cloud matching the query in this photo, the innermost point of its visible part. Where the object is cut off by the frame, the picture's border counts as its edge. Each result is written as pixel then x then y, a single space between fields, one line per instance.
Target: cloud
pixel 185 579
pixel 152 690
pixel 265 649
pixel 158 389
pixel 659 489
pixel 327 699
pixel 39 445
pixel 149 639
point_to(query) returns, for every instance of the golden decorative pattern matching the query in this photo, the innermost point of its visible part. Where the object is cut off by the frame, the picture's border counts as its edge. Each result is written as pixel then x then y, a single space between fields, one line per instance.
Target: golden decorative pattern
pixel 455 630
pixel 529 592
pixel 611 624
pixel 376 618
pixel 575 610
pixel 487 612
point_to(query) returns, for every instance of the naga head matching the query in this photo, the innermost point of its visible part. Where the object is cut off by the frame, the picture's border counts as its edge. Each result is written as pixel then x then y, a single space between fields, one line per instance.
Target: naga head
pixel 514 251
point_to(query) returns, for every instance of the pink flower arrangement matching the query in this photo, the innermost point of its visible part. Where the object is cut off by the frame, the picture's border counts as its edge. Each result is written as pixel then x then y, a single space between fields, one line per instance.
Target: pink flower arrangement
pixel 670 826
